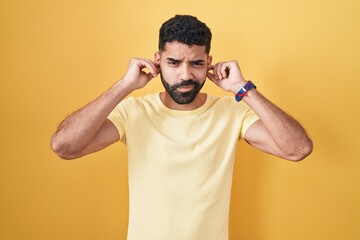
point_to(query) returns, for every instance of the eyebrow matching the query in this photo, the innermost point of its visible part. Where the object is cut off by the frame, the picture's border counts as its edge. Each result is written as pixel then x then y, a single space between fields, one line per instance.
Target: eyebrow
pixel 179 61
pixel 173 60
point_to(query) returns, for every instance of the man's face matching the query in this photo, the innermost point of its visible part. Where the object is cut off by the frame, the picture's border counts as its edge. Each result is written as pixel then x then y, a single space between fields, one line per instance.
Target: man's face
pixel 183 70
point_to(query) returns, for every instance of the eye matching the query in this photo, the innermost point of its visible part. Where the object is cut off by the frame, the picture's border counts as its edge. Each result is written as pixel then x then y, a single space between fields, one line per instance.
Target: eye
pixel 172 63
pixel 197 63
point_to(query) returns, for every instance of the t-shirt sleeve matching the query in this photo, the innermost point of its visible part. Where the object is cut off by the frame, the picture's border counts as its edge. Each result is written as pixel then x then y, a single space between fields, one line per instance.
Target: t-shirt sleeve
pixel 119 117
pixel 249 118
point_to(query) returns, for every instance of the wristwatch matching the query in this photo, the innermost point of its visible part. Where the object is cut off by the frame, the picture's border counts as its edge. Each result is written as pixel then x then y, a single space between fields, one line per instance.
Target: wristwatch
pixel 243 91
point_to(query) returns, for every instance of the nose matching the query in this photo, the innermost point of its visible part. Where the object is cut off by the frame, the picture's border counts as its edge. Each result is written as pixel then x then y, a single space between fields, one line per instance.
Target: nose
pixel 186 73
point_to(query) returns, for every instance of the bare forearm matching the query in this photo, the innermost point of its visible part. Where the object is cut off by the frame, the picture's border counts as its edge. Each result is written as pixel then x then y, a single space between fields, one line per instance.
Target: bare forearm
pixel 287 133
pixel 276 132
pixel 76 131
pixel 86 130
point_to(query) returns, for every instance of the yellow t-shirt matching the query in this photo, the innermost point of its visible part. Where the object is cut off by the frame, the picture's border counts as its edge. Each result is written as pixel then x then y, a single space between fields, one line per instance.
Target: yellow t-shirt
pixel 180 166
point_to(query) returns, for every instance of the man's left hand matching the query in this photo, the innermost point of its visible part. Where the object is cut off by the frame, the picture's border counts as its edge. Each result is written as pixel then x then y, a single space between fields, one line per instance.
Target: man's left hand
pixel 227 75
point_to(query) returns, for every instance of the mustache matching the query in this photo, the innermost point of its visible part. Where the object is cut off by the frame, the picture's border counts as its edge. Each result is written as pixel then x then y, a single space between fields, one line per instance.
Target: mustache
pixel 185 83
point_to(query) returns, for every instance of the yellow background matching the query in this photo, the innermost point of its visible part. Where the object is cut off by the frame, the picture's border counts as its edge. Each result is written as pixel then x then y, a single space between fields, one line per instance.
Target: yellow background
pixel 58 55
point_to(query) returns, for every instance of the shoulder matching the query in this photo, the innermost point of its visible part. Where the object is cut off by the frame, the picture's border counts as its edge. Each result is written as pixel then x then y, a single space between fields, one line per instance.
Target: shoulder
pixel 227 102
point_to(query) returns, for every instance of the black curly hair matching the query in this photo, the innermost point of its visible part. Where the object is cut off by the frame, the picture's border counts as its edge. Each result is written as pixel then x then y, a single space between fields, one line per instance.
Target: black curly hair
pixel 185 29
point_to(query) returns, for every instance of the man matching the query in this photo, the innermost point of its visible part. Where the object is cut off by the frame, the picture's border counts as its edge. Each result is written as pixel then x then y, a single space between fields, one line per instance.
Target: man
pixel 181 143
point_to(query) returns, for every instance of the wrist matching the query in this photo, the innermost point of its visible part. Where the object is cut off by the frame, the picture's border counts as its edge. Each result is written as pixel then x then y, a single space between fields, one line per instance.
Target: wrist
pixel 125 87
pixel 235 89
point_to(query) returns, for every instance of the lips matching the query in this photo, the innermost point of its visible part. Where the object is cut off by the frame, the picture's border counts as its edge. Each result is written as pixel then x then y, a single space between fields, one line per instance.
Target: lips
pixel 186 88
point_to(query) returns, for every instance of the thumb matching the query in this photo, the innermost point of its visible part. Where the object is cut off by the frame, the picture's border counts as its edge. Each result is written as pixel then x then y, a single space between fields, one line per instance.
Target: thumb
pixel 212 78
pixel 151 75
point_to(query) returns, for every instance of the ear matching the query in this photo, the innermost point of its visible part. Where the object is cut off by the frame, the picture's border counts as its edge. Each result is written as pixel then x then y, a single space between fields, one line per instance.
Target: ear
pixel 209 60
pixel 157 57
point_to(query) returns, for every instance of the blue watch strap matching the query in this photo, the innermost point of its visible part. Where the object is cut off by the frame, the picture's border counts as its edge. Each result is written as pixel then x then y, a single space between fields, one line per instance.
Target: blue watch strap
pixel 243 91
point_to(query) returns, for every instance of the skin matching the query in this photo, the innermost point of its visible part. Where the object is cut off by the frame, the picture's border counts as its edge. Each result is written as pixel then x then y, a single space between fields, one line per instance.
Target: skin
pixel 180 62
pixel 276 132
pixel 88 129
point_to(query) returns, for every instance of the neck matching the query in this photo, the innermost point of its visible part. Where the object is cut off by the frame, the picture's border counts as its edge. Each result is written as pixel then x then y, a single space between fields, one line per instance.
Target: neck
pixel 170 103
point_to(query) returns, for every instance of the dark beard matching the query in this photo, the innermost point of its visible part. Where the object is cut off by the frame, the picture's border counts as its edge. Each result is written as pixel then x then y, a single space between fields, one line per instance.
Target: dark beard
pixel 182 97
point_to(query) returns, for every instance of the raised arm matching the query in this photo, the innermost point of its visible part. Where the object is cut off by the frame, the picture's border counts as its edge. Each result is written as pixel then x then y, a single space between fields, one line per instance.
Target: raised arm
pixel 88 129
pixel 276 132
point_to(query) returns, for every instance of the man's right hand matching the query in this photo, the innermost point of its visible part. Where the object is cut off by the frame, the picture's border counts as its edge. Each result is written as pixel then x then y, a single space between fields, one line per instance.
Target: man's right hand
pixel 88 129
pixel 135 75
